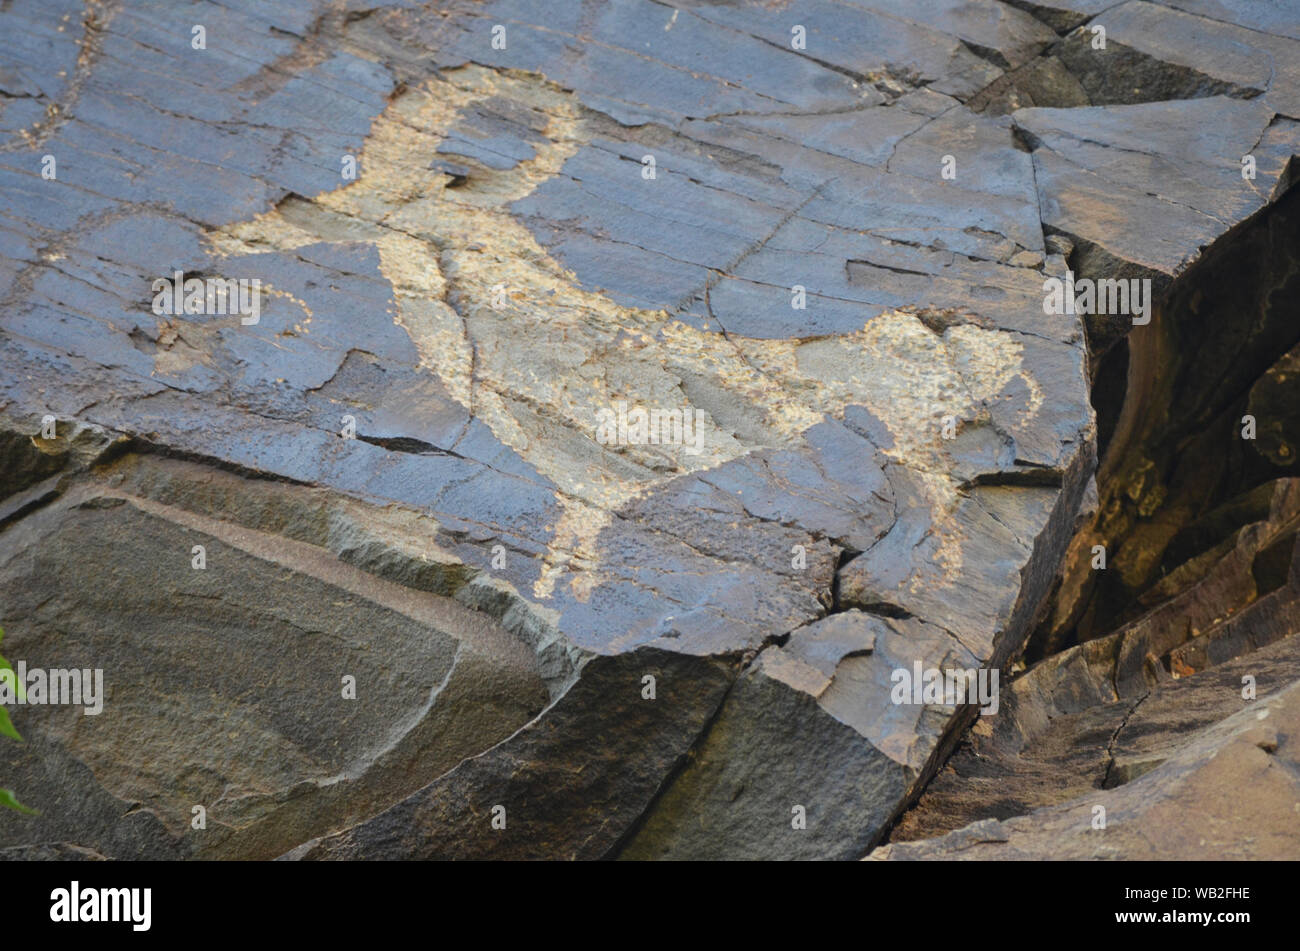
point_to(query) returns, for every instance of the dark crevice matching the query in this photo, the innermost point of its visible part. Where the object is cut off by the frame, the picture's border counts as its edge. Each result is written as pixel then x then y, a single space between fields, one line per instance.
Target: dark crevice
pixel 1060 21
pixel 885 609
pixel 846 555
pixel 405 444
pixel 777 640
pixel 1272 567
pixel 1070 73
pixel 1121 75
pixel 1028 475
pixel 988 54
pixel 1181 471
pixel 1114 738
pixel 1109 384
pixel 853 269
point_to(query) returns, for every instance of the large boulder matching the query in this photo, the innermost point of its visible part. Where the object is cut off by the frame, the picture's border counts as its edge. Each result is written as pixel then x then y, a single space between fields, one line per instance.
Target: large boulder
pixel 488 237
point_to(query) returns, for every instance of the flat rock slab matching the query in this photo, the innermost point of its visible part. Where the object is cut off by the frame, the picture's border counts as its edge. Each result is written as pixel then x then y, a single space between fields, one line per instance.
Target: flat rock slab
pixel 475 247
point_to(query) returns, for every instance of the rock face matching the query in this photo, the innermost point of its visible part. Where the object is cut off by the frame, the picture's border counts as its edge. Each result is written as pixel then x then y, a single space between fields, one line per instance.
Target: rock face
pixel 632 390
pixel 1226 790
pixel 1188 693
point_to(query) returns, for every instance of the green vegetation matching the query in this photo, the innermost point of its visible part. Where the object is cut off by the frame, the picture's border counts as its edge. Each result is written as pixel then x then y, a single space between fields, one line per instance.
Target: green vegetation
pixel 7 798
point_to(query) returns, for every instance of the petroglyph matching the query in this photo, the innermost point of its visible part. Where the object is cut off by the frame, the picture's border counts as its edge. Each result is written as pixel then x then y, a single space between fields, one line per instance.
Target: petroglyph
pixel 96 16
pixel 538 366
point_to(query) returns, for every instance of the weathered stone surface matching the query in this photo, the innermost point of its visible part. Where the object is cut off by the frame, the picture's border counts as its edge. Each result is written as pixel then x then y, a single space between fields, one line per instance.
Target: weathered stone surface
pixel 500 269
pixel 563 791
pixel 215 682
pixel 1107 711
pixel 853 756
pixel 1227 791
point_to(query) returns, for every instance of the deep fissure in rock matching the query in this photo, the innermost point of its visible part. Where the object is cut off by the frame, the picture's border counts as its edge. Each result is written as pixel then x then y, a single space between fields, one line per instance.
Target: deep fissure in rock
pixel 1174 402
